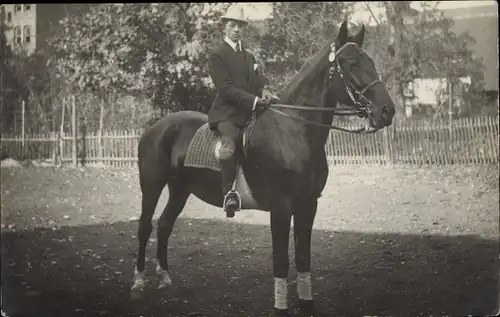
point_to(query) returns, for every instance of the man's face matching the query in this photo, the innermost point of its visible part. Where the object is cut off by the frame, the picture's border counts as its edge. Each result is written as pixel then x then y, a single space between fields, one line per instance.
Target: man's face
pixel 234 30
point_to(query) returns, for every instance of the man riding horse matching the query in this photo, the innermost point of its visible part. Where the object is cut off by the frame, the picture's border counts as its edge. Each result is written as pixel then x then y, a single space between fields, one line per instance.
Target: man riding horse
pixel 286 168
pixel 240 90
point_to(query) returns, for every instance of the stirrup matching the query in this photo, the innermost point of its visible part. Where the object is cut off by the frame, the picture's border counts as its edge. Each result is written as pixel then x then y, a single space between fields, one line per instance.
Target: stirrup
pixel 232 191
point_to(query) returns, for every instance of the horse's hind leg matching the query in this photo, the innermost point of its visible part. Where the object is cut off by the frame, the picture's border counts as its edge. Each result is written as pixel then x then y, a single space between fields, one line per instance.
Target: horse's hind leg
pixel 150 196
pixel 178 196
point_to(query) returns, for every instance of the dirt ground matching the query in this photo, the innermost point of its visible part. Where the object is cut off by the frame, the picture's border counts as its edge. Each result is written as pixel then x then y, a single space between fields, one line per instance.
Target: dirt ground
pixel 387 241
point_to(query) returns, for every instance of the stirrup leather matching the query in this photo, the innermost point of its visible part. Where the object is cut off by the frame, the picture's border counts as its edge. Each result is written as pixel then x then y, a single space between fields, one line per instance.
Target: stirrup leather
pixel 232 191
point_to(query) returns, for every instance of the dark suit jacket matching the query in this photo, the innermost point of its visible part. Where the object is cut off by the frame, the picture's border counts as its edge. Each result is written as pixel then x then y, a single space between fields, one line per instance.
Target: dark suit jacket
pixel 237 84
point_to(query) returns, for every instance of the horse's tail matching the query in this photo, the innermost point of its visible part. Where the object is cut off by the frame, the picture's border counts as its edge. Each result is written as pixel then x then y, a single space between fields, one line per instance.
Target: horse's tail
pixel 155 171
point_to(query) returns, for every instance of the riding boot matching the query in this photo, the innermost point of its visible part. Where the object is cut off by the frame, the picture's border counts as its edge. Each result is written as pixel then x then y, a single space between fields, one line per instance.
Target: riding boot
pixel 229 167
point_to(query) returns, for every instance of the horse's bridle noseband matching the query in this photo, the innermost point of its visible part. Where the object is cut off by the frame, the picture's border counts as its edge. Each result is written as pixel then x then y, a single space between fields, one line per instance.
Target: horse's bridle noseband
pixel 362 105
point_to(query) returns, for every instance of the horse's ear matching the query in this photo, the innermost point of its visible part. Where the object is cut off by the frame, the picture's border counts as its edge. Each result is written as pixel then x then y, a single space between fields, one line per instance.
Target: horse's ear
pixel 360 37
pixel 343 34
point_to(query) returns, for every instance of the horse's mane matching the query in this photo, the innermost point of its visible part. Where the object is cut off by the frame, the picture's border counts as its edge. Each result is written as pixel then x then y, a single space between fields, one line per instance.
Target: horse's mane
pixel 307 74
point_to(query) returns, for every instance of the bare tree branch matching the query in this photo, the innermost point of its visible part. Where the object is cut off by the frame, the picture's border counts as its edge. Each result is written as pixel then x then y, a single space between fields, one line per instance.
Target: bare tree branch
pixel 371 12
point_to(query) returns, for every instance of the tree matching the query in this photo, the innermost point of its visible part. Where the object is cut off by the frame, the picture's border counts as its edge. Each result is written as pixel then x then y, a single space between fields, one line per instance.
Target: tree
pixel 157 50
pixel 422 45
pixel 8 91
pixel 24 77
pixel 296 32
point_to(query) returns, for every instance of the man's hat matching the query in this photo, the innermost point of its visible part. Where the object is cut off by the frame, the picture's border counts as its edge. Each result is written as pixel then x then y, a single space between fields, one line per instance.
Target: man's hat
pixel 234 14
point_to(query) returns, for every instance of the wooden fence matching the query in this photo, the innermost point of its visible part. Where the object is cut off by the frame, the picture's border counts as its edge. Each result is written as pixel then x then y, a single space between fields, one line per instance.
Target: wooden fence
pixel 464 141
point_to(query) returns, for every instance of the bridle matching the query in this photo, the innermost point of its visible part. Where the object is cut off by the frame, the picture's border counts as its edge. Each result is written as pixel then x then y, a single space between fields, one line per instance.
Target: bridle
pixel 361 104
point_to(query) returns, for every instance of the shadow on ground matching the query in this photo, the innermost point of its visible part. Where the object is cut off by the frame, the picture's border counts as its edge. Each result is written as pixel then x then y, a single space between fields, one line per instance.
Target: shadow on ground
pixel 224 269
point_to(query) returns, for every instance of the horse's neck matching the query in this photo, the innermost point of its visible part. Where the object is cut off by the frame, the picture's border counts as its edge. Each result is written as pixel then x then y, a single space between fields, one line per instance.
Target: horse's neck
pixel 319 135
pixel 323 133
pixel 315 136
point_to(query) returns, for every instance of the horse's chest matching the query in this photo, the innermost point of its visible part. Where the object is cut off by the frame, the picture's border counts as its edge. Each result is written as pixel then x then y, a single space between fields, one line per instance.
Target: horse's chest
pixel 291 154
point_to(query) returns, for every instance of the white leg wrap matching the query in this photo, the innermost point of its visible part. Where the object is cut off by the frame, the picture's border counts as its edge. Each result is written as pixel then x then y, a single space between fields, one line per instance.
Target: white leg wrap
pixel 280 293
pixel 138 280
pixel 304 285
pixel 164 276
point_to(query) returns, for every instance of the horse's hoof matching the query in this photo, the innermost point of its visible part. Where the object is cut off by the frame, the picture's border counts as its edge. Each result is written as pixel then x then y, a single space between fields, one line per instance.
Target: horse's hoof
pixel 306 308
pixel 137 289
pixel 165 280
pixel 163 276
pixel 135 294
pixel 280 312
pixel 165 283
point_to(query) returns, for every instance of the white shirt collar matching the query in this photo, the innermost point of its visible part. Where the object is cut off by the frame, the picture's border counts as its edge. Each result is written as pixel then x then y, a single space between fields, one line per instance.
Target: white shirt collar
pixel 232 44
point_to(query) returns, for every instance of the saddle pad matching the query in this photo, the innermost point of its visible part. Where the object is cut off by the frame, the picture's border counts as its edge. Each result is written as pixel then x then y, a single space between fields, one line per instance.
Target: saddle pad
pixel 201 151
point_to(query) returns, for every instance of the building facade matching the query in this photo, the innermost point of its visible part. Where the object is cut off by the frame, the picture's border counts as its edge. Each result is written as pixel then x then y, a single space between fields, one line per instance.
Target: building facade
pixel 20 20
pixel 30 25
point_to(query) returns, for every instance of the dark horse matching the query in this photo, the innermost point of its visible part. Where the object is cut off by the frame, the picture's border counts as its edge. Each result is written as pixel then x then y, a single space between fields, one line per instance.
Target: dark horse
pixel 285 165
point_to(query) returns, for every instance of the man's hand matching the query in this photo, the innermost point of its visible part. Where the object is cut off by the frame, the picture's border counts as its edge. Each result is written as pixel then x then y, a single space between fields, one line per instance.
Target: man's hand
pixel 269 97
pixel 263 103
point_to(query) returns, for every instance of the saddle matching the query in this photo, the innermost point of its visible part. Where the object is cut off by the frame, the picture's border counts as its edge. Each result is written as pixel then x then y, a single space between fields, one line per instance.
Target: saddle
pixel 203 153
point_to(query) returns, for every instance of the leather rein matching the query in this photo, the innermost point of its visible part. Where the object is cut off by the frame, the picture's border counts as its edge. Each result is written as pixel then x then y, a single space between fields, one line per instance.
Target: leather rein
pixel 361 104
pixel 321 125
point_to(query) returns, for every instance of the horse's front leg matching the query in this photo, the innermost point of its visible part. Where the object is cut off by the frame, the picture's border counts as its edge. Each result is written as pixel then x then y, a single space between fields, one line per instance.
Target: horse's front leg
pixel 303 220
pixel 280 231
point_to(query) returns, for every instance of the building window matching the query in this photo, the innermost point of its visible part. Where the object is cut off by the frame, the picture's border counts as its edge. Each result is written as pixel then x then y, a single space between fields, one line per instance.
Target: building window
pixel 27 7
pixel 408 90
pixel 17 8
pixel 27 34
pixel 17 35
pixel 9 17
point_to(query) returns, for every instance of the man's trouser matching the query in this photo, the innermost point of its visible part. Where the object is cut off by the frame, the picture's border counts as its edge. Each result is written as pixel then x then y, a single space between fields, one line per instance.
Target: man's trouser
pixel 229 133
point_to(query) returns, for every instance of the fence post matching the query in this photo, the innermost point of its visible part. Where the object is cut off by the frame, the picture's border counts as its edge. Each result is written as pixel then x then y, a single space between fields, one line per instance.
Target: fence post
pixel 54 143
pixel 61 132
pixel 61 147
pixel 99 139
pixel 387 147
pixel 74 130
pixel 23 124
pixel 83 144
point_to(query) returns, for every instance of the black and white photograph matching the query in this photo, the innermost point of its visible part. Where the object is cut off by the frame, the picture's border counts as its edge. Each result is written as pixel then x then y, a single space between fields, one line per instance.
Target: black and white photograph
pixel 249 159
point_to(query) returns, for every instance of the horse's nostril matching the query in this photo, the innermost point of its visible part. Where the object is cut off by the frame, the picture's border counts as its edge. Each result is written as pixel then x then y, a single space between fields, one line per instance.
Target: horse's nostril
pixel 386 112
